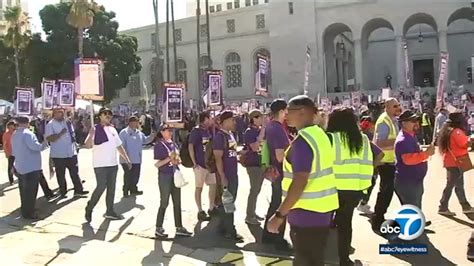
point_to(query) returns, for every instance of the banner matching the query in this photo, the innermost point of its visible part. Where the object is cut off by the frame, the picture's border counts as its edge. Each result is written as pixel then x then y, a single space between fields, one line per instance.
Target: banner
pixel 355 98
pixel 47 88
pixel 385 93
pixel 307 70
pixel 89 80
pixel 24 101
pixel 261 75
pixel 443 69
pixel 214 88
pixel 407 64
pixel 66 93
pixel 173 102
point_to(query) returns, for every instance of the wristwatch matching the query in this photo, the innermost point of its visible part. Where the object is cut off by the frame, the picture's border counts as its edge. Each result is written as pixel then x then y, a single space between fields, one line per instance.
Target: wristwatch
pixel 279 215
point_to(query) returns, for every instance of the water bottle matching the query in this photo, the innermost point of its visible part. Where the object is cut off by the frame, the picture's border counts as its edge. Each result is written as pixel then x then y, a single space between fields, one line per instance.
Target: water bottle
pixel 228 201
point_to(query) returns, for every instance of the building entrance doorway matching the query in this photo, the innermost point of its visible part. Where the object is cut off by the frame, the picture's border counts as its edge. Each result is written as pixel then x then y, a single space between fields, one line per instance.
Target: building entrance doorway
pixel 423 73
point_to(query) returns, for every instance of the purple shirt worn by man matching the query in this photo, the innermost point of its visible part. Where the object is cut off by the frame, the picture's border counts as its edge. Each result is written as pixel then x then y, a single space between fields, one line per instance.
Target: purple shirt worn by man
pixel 230 152
pixel 162 151
pixel 276 138
pixel 199 137
pixel 250 136
pixel 410 174
pixel 301 158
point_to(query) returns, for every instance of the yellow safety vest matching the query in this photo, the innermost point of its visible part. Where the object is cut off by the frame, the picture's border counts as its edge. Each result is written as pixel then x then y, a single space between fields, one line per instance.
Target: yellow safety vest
pixel 385 119
pixel 352 172
pixel 320 194
pixel 425 121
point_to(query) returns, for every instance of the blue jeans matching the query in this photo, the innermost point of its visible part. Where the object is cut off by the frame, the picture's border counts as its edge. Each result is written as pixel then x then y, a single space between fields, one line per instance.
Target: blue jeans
pixel 409 193
pixel 227 219
pixel 167 189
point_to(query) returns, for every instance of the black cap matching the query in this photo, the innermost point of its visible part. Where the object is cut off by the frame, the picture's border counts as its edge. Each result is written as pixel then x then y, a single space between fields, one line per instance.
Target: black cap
pixel 22 120
pixel 226 115
pixel 457 118
pixel 104 110
pixel 278 105
pixel 133 119
pixel 302 100
pixel 408 115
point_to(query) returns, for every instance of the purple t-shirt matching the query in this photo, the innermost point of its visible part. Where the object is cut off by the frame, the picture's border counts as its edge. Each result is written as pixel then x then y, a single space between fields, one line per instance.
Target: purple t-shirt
pixel 410 174
pixel 230 153
pixel 375 149
pixel 250 136
pixel 199 137
pixel 161 152
pixel 276 138
pixel 301 158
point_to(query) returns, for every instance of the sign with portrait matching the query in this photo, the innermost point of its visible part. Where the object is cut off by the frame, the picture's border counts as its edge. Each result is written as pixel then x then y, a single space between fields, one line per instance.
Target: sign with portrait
pixel 261 75
pixel 24 101
pixel 89 80
pixel 47 88
pixel 214 90
pixel 173 101
pixel 66 93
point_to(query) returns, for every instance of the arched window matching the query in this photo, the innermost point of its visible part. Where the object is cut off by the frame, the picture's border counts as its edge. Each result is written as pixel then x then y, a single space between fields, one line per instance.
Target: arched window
pixel 265 52
pixel 233 70
pixel 182 72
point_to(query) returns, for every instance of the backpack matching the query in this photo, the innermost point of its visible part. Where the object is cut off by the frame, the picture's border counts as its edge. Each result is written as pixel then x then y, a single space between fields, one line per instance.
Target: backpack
pixel 210 159
pixel 184 154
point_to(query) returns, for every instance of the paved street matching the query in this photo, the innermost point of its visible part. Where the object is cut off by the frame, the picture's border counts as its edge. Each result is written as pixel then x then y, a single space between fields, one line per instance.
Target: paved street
pixel 62 238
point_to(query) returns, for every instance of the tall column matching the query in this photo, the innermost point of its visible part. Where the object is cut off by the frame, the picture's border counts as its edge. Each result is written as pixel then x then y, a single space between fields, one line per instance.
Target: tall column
pixel 401 80
pixel 359 72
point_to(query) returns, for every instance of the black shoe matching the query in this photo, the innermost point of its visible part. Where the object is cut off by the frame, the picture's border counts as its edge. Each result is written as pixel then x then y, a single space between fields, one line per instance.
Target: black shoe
pixel 283 246
pixel 352 250
pixel 137 192
pixel 113 216
pixel 31 217
pixel 427 223
pixel 202 216
pixel 126 194
pixel 52 198
pixel 213 212
pixel 81 194
pixel 234 237
pixel 88 216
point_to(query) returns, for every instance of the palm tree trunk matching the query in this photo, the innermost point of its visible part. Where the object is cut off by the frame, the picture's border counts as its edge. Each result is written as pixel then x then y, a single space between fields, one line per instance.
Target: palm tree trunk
pixel 175 56
pixel 17 67
pixel 80 41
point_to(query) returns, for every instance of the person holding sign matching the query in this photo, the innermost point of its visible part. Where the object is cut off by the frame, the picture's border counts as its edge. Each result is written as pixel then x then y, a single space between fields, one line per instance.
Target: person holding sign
pixel 105 142
pixel 60 135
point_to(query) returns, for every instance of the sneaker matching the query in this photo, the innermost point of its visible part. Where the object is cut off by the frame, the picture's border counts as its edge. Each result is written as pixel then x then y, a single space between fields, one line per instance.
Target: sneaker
pixel 113 216
pixel 252 221
pixel 202 216
pixel 365 209
pixel 351 250
pixel 259 218
pixel 88 216
pixel 160 232
pixel 427 223
pixel 234 237
pixel 446 212
pixel 468 210
pixel 137 192
pixel 126 194
pixel 53 197
pixel 181 231
pixel 81 194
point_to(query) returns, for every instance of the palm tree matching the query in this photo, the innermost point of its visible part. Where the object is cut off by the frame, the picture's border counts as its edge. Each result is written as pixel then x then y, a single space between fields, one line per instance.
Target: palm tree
pixel 18 34
pixel 81 17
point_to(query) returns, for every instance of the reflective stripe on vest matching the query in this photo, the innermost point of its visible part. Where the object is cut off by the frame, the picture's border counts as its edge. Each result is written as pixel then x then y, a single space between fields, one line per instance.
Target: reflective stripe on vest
pixel 392 135
pixel 320 193
pixel 352 171
pixel 425 121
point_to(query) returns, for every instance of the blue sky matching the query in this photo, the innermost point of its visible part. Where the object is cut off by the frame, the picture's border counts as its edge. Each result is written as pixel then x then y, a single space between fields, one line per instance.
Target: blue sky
pixel 129 13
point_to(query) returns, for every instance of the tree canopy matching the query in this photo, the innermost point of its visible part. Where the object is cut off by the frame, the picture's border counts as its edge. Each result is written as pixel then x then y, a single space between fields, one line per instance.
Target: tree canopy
pixel 54 58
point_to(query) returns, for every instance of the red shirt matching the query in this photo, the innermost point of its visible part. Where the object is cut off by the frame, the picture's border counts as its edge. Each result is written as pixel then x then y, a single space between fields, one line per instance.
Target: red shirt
pixel 457 146
pixel 7 142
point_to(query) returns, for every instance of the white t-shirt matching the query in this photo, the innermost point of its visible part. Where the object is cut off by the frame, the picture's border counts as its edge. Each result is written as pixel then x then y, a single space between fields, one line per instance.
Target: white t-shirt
pixel 106 154
pixel 470 121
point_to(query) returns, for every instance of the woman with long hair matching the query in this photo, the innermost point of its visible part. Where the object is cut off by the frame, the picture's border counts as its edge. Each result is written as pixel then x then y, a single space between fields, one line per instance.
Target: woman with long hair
pixel 167 160
pixel 453 143
pixel 353 168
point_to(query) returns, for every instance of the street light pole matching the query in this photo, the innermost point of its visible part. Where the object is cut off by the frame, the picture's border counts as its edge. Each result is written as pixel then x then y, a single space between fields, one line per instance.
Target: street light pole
pixel 174 43
pixel 198 45
pixel 208 31
pixel 168 40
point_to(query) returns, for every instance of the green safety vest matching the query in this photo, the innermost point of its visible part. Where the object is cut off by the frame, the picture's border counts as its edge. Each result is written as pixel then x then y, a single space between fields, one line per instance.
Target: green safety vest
pixel 320 194
pixel 352 172
pixel 425 120
pixel 385 119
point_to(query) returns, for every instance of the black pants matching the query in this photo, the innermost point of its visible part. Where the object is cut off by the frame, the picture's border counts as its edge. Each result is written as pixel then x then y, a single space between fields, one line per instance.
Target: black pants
pixel 11 160
pixel 384 197
pixel 61 164
pixel 44 185
pixel 167 189
pixel 28 185
pixel 227 219
pixel 130 177
pixel 309 245
pixel 366 197
pixel 274 204
pixel 348 200
pixel 427 134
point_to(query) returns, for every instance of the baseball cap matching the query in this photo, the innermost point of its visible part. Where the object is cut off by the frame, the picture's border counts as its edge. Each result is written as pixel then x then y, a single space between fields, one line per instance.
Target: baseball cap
pixel 104 110
pixel 133 119
pixel 226 115
pixel 408 115
pixel 255 113
pixel 164 127
pixel 278 105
